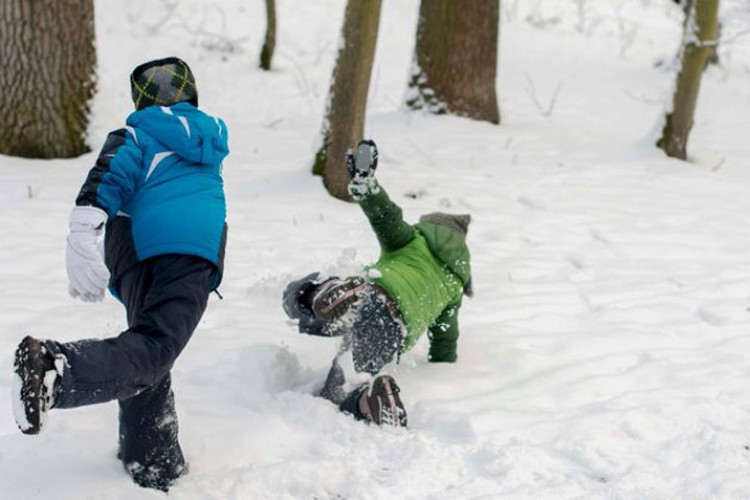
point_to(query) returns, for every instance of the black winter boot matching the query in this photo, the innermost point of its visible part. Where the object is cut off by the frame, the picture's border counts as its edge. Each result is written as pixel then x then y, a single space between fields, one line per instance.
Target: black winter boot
pixel 35 383
pixel 377 402
pixel 334 297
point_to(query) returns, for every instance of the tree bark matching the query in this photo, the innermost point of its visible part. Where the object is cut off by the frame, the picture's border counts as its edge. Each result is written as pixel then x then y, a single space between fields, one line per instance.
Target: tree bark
pixel 455 59
pixel 48 61
pixel 700 36
pixel 344 122
pixel 269 44
pixel 713 52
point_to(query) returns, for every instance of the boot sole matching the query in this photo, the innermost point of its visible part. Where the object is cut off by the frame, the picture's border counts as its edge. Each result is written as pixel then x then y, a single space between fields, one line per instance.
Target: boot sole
pixel 386 408
pixel 29 401
pixel 326 303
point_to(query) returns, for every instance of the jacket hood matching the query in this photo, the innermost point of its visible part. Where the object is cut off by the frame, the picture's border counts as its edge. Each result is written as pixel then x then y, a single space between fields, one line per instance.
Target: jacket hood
pixel 449 245
pixel 186 130
pixel 459 223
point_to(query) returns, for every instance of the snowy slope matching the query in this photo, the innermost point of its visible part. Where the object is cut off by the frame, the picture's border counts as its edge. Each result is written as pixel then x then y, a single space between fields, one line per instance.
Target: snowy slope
pixel 606 353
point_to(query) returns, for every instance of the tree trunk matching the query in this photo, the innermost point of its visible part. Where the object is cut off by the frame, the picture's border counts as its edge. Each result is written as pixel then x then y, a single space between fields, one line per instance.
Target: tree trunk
pixel 47 79
pixel 266 53
pixel 713 52
pixel 700 36
pixel 455 60
pixel 344 123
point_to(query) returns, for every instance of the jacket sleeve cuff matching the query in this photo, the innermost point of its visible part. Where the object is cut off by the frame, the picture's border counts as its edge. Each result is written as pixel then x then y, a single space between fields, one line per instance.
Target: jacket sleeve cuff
pixel 87 218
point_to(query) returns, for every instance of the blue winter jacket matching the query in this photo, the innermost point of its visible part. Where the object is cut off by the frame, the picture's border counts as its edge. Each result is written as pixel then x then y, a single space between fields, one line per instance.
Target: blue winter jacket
pixel 159 180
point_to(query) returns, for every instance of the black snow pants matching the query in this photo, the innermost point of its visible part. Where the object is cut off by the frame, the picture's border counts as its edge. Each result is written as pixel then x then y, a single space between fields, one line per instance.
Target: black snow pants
pixel 165 298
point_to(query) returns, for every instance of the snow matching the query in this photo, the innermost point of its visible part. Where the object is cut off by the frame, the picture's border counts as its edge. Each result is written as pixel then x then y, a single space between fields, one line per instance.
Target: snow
pixel 18 410
pixel 605 352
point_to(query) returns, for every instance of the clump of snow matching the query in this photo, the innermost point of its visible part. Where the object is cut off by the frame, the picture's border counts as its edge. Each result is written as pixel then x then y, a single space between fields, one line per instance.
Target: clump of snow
pixel 50 379
pixel 373 273
pixel 268 369
pixel 19 413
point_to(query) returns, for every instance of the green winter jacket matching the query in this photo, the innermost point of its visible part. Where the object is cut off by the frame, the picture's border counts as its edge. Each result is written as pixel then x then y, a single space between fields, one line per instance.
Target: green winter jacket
pixel 424 268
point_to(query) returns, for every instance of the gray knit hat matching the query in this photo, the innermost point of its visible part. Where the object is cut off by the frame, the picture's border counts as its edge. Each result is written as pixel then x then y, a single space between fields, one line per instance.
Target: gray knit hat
pixel 458 223
pixel 163 82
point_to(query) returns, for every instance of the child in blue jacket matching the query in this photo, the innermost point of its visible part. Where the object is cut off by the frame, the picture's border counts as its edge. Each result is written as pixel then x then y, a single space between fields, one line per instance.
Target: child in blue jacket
pixel 156 192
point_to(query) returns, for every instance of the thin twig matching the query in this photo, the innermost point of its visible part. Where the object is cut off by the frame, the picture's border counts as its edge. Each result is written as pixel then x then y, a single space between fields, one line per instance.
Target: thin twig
pixel 531 91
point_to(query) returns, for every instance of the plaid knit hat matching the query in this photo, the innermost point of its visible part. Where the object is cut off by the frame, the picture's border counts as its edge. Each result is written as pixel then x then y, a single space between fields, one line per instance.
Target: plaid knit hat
pixel 163 82
pixel 459 223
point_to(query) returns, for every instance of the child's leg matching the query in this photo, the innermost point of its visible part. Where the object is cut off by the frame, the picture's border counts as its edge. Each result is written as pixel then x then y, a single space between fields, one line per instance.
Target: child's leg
pixel 378 333
pixel 149 448
pixel 165 298
pixel 372 340
pixel 334 389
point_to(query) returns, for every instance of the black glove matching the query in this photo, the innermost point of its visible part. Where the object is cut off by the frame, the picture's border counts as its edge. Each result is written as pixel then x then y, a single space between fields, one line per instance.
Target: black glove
pixel 362 166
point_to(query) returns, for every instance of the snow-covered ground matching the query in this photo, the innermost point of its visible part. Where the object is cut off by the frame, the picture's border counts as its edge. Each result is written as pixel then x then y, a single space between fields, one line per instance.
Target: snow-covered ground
pixel 606 353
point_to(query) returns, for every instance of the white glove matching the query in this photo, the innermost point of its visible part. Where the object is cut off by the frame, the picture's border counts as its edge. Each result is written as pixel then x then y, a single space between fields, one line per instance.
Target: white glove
pixel 88 277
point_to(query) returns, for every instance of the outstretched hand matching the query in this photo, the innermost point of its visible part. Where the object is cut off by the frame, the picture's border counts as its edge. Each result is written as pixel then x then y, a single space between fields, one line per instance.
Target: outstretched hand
pixel 361 166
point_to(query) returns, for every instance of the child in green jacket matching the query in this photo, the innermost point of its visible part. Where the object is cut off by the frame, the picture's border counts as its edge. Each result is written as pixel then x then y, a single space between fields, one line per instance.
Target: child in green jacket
pixel 416 285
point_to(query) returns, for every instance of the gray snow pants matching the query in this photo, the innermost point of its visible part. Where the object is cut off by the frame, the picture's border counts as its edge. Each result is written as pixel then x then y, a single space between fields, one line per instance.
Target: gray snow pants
pixel 372 333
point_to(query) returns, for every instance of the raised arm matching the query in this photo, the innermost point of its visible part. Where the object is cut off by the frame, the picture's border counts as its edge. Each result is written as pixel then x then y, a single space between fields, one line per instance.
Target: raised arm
pixel 386 218
pixel 113 178
pixel 110 182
